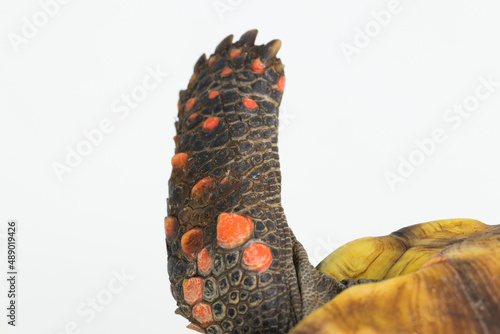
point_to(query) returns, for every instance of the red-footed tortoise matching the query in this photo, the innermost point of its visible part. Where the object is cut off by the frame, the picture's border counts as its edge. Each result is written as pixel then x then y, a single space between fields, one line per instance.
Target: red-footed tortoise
pixel 236 267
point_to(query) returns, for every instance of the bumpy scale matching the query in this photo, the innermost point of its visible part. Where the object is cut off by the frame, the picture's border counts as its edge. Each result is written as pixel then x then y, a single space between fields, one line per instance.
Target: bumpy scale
pixel 233 262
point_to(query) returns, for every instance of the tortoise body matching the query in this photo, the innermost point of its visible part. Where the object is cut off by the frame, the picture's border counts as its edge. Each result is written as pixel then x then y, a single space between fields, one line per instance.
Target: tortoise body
pixel 234 264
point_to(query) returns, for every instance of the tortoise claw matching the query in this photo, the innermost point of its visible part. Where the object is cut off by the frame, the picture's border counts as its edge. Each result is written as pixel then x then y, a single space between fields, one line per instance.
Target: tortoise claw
pixel 248 38
pixel 195 328
pixel 270 50
pixel 202 61
pixel 224 45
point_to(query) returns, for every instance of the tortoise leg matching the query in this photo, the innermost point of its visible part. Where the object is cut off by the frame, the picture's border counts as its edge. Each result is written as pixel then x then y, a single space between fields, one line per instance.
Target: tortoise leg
pixel 233 262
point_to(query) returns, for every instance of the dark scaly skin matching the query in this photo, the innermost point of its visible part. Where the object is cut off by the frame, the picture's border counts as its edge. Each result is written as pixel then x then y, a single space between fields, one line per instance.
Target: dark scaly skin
pixel 241 155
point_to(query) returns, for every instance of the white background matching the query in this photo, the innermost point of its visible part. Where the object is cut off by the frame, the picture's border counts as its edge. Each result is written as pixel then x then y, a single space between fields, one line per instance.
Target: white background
pixel 344 127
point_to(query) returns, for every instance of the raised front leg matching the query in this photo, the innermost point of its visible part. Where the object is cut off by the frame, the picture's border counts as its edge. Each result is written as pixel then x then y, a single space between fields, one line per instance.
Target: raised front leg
pixel 233 262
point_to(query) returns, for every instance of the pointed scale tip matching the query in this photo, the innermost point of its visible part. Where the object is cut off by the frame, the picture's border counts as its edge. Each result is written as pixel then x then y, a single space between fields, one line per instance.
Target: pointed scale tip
pixel 270 50
pixel 182 93
pixel 224 45
pixel 248 38
pixel 195 328
pixel 200 63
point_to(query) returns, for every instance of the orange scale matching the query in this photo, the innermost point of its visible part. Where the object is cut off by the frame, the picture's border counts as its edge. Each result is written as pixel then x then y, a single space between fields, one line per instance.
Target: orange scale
pixel 257 257
pixel 201 187
pixel 213 95
pixel 193 290
pixel 193 117
pixel 226 72
pixel 249 103
pixel 211 61
pixel 171 227
pixel 192 243
pixel 180 160
pixel 234 53
pixel 205 261
pixel 190 104
pixel 257 66
pixel 233 230
pixel 281 84
pixel 211 124
pixel 202 312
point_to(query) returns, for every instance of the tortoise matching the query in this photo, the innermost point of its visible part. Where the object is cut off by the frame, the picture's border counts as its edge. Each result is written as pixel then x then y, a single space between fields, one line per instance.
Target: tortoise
pixel 235 265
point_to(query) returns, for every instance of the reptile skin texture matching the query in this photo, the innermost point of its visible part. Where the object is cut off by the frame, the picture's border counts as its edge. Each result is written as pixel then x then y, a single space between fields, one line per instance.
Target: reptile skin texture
pixel 233 263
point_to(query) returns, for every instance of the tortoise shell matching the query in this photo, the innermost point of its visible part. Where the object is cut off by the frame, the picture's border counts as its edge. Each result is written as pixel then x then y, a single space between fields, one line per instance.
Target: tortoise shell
pixel 437 277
